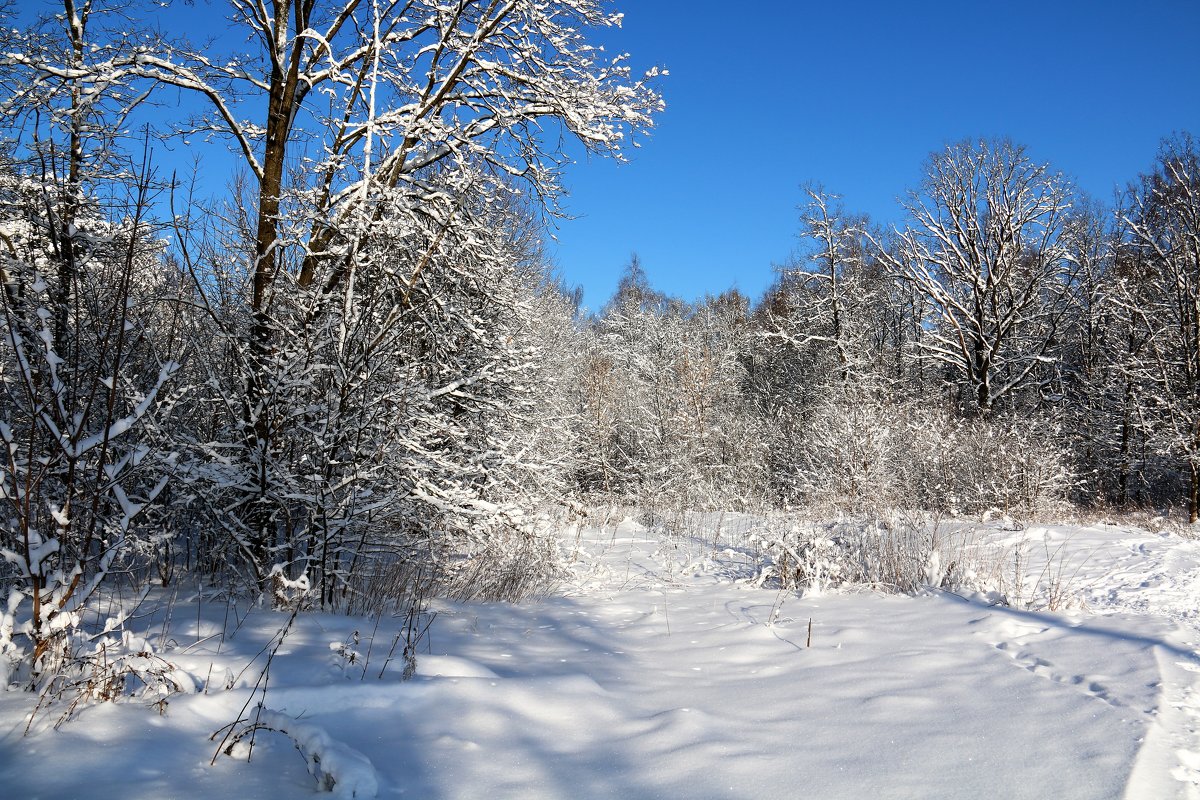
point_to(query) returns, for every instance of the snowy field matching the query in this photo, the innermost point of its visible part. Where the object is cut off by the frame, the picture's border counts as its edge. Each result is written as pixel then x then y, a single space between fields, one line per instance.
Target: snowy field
pixel 658 670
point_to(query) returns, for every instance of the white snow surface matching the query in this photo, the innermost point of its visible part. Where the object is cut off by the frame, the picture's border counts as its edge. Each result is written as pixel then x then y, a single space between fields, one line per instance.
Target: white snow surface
pixel 656 673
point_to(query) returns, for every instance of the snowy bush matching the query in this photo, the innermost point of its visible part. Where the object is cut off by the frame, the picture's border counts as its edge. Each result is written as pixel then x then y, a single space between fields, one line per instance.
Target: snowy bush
pixel 970 465
pixel 865 451
pixel 85 396
pixel 897 553
pixel 80 662
pixel 111 667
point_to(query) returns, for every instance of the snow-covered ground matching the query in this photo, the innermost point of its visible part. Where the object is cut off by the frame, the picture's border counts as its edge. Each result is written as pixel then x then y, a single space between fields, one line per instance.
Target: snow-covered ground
pixel 656 673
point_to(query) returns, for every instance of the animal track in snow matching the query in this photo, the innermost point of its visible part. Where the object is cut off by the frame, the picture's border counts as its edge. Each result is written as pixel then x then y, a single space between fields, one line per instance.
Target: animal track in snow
pixel 1045 669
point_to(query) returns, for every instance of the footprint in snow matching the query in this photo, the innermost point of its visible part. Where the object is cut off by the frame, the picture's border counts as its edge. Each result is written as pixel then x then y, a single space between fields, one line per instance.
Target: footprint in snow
pixel 1046 669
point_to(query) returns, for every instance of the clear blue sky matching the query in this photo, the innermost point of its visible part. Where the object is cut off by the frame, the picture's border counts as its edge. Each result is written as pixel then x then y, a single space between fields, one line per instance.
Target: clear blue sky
pixel 765 96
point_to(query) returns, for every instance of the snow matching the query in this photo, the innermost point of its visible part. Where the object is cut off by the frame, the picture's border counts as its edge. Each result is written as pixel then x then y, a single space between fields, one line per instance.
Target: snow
pixel 659 670
pixel 339 769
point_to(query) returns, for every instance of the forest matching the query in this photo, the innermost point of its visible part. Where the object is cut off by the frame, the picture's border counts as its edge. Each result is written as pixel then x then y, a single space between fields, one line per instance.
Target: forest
pixel 353 374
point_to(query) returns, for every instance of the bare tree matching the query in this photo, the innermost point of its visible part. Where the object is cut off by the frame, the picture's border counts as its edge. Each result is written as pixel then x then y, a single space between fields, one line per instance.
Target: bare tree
pixel 991 250
pixel 824 287
pixel 1161 296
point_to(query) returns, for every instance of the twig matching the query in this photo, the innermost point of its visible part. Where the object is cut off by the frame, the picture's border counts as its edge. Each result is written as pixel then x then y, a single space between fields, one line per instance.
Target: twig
pixel 259 685
pixel 370 646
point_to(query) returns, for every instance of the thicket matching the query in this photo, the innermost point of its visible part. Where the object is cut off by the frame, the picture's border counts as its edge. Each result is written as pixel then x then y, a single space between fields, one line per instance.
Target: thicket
pixel 1014 346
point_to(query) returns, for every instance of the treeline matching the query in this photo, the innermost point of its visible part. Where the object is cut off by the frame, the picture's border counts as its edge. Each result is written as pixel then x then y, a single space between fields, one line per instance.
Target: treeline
pixel 1012 345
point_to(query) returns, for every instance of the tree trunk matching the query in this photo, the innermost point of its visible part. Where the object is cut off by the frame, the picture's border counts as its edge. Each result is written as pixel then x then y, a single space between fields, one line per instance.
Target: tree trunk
pixel 1193 492
pixel 285 94
pixel 1125 466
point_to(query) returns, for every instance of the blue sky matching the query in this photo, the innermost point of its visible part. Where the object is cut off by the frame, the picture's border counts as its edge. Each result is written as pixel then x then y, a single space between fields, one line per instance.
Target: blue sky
pixel 765 96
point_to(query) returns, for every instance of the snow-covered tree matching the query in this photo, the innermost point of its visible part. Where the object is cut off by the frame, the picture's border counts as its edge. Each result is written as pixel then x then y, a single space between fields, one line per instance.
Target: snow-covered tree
pixel 90 326
pixel 830 334
pixel 991 250
pixel 85 457
pixel 395 111
pixel 826 289
pixel 1159 292
pixel 663 421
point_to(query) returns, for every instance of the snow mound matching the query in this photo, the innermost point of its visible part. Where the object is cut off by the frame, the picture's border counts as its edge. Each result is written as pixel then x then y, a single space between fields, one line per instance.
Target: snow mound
pixel 452 667
pixel 338 768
